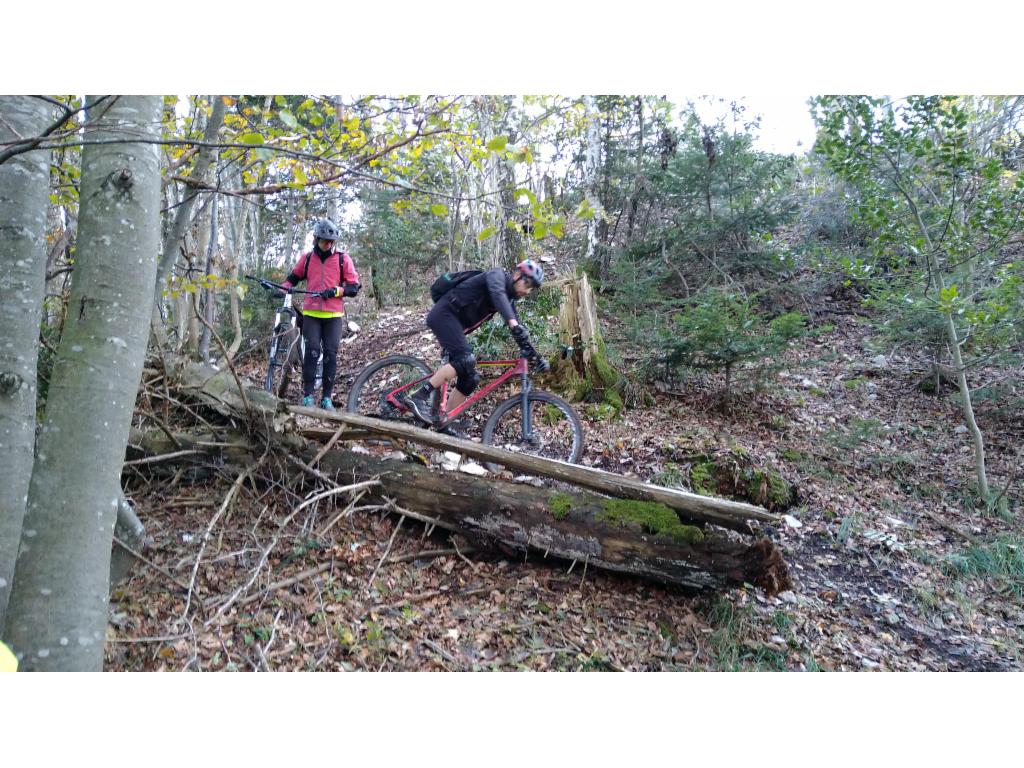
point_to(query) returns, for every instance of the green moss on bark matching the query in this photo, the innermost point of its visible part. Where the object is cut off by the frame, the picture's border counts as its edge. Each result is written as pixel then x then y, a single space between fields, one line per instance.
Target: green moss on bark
pixel 560 505
pixel 651 517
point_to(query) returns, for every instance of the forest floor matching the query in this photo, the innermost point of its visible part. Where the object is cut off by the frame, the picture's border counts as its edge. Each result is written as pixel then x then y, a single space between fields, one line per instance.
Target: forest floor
pixel 893 567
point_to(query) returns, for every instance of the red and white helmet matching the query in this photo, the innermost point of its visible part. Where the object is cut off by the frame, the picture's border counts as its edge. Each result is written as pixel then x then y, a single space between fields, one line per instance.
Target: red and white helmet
pixel 533 270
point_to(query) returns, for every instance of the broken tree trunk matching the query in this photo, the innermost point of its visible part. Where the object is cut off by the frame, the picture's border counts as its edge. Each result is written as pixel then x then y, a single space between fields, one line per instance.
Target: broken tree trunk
pixel 585 372
pixel 641 537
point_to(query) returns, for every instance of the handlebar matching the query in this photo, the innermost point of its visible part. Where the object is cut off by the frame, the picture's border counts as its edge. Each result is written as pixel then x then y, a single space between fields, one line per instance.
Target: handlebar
pixel 270 285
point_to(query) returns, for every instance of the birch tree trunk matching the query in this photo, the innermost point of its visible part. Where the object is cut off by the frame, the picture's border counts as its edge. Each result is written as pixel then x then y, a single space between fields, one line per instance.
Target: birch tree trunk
pixel 24 187
pixel 209 303
pixel 592 170
pixel 57 614
pixel 236 236
pixel 172 243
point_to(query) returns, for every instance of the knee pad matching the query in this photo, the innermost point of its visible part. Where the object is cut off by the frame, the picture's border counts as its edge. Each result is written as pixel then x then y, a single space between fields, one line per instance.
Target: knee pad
pixel 465 369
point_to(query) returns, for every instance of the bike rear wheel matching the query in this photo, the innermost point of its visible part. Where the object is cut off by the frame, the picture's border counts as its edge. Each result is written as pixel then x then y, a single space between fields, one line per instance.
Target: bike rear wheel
pixel 375 381
pixel 556 431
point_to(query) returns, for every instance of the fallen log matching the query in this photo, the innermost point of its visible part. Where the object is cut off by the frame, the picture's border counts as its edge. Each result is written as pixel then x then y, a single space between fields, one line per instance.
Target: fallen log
pixel 691 506
pixel 641 536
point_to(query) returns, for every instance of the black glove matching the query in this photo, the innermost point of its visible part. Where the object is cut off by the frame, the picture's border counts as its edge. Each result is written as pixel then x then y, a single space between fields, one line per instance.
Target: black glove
pixel 330 293
pixel 351 289
pixel 522 337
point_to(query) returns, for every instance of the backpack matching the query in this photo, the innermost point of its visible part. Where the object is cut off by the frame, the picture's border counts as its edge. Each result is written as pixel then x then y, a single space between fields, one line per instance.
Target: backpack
pixel 449 280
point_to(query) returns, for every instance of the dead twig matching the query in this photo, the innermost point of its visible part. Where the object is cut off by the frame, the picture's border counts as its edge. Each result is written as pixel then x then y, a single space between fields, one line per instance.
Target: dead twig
pixel 465 559
pixel 162 457
pixel 150 563
pixel 440 651
pixel 273 543
pixel 428 554
pixel 431 595
pixel 346 512
pixel 950 527
pixel 387 551
pixel 209 528
pixel 227 359
pixel 328 446
pixel 287 582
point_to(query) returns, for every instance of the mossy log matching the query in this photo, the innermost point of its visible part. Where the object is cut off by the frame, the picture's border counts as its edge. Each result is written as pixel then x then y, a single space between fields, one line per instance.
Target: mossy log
pixel 644 538
pixel 638 538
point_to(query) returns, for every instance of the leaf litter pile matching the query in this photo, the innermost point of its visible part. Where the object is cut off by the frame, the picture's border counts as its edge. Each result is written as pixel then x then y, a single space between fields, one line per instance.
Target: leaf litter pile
pixel 894 568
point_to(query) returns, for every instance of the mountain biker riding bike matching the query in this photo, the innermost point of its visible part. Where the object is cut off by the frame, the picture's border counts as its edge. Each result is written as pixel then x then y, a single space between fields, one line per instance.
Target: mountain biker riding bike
pixel 333 275
pixel 460 311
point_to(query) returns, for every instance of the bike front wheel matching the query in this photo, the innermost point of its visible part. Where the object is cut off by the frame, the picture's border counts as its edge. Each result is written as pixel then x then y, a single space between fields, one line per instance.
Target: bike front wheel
pixel 555 429
pixel 371 386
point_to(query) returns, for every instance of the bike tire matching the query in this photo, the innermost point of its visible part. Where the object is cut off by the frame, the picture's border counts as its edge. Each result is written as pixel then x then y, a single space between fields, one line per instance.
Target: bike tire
pixel 564 441
pixel 379 378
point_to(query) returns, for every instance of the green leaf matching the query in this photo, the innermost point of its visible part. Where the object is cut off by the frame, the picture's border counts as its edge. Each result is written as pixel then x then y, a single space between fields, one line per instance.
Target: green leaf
pixel 585 211
pixel 251 138
pixel 498 143
pixel 485 233
pixel 527 194
pixel 539 230
pixel 439 209
pixel 288 118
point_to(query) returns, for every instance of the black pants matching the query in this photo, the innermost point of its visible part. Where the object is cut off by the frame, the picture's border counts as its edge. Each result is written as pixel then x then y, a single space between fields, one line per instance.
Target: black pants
pixel 450 334
pixel 325 332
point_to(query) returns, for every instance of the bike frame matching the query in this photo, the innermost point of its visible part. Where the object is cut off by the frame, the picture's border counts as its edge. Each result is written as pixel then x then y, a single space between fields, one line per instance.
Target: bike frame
pixel 293 316
pixel 519 367
pixel 286 308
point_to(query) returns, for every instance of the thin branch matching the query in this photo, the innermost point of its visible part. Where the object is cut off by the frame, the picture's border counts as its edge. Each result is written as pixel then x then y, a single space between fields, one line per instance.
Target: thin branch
pixel 387 551
pixel 206 535
pixel 150 563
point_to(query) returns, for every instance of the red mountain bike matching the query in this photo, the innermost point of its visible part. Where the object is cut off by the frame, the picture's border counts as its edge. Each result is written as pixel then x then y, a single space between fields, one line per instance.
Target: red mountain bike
pixel 533 422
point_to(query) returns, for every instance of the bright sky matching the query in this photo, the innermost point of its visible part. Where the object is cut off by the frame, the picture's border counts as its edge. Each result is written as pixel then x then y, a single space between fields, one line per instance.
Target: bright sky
pixel 786 124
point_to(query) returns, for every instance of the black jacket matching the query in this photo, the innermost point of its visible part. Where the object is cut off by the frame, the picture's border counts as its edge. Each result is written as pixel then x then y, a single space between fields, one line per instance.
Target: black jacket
pixel 476 299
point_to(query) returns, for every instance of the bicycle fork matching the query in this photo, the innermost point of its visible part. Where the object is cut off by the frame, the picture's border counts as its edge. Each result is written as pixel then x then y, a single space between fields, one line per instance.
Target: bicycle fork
pixel 525 399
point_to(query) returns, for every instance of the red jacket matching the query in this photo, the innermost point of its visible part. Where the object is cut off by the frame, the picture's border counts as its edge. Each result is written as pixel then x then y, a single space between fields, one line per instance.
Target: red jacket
pixel 334 271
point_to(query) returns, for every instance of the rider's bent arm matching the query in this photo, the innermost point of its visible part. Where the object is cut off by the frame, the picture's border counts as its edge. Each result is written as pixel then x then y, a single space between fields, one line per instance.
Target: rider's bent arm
pixel 495 279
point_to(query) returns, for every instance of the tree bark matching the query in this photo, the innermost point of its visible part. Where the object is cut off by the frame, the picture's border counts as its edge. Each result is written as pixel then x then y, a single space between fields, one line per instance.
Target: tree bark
pixel 24 187
pixel 57 614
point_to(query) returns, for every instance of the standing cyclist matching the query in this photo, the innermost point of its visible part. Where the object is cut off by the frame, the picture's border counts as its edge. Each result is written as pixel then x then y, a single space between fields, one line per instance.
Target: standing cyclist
pixel 463 309
pixel 332 275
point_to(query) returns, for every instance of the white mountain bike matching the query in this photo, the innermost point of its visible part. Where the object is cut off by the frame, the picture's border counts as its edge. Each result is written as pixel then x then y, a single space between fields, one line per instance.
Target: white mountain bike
pixel 287 344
